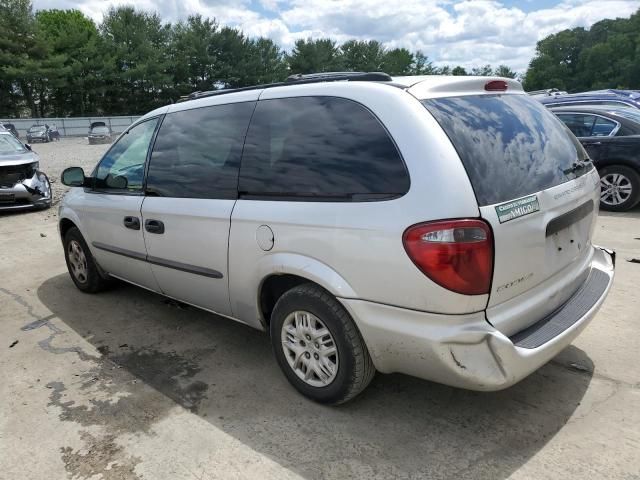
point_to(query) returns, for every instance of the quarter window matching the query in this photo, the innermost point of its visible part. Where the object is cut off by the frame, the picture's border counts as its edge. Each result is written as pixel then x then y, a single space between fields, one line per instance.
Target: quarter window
pixel 122 168
pixel 319 148
pixel 603 127
pixel 197 152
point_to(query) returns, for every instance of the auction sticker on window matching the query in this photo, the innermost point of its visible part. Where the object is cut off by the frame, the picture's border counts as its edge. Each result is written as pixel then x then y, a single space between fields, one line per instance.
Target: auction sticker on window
pixel 517 208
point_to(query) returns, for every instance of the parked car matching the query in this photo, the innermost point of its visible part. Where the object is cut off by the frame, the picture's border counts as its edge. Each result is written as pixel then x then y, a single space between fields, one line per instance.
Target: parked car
pixel 99 133
pixel 612 140
pixel 22 184
pixel 605 98
pixel 38 133
pixel 11 128
pixel 436 226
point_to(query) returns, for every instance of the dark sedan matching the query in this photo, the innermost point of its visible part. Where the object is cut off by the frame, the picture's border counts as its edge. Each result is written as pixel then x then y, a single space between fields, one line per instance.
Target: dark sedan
pixel 38 133
pixel 11 128
pixel 612 140
pixel 602 98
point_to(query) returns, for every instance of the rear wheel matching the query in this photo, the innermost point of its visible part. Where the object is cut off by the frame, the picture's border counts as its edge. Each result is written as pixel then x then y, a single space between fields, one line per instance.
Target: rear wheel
pixel 82 267
pixel 318 347
pixel 619 188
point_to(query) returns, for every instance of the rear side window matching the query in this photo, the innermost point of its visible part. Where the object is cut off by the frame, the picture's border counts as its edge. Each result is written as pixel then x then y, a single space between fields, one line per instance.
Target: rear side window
pixel 579 124
pixel 510 145
pixel 320 148
pixel 197 152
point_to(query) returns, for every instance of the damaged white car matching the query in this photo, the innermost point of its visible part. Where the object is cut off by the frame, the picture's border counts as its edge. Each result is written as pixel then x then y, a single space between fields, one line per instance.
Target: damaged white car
pixel 22 184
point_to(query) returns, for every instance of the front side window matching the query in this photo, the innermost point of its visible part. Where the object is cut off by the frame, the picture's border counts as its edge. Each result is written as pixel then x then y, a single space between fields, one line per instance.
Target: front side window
pixel 197 152
pixel 320 148
pixel 122 168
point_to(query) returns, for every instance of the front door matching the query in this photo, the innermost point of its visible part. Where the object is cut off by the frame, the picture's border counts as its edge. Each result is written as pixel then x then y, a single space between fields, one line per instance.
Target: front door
pixel 190 193
pixel 111 209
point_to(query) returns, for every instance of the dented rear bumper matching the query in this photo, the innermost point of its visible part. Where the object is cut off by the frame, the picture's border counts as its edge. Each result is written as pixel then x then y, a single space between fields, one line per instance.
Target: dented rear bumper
pixel 465 350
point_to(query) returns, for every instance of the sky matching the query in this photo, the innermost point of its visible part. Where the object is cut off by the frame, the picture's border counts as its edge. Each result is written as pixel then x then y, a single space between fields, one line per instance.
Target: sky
pixel 468 33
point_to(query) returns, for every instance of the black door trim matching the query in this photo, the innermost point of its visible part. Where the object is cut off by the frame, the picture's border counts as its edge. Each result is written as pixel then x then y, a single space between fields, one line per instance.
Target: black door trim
pixel 569 218
pixel 183 267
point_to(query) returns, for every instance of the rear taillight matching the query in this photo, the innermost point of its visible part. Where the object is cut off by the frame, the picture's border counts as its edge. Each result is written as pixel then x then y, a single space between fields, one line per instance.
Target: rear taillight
pixel 456 254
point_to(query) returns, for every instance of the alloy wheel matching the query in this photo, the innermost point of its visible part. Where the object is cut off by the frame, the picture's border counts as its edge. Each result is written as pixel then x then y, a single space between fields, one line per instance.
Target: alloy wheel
pixel 615 189
pixel 77 261
pixel 309 348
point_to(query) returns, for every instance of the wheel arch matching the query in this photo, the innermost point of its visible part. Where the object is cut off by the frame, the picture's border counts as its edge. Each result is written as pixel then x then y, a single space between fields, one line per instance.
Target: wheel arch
pixel 286 271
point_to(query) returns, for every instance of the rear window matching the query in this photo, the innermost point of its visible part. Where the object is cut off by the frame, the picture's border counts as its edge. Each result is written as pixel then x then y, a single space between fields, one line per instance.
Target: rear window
pixel 319 149
pixel 510 145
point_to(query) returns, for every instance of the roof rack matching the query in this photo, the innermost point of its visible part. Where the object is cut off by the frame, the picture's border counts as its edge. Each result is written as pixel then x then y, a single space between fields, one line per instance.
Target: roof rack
pixel 298 79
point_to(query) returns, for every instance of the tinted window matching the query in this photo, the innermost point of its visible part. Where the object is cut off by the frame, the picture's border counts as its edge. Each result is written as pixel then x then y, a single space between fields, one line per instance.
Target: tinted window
pixel 579 124
pixel 603 127
pixel 321 148
pixel 122 168
pixel 510 145
pixel 197 152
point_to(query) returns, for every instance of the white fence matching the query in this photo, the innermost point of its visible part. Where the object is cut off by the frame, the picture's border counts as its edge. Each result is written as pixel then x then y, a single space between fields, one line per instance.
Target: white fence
pixel 72 126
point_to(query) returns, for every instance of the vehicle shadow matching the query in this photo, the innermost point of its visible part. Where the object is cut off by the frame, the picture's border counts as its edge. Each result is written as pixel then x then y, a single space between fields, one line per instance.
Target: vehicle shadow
pixel 225 373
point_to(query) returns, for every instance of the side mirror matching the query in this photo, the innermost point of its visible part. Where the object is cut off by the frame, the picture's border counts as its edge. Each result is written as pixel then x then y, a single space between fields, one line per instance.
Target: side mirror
pixel 27 146
pixel 73 177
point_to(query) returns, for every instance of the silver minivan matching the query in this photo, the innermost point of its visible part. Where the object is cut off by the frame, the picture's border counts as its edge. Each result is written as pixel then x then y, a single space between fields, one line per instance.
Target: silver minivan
pixel 435 226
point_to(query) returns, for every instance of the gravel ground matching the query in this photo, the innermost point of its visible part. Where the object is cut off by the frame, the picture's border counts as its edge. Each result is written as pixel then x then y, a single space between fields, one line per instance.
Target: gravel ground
pixel 68 152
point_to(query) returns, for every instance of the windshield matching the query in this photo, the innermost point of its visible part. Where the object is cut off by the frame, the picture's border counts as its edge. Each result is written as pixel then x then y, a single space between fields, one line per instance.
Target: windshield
pixel 37 129
pixel 9 144
pixel 100 130
pixel 510 145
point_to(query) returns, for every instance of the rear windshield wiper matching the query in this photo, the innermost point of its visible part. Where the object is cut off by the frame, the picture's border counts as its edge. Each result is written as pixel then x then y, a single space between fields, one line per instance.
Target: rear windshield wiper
pixel 578 165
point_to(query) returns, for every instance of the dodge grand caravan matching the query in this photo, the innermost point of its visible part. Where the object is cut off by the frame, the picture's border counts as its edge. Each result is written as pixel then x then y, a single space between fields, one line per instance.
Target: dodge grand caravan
pixel 436 226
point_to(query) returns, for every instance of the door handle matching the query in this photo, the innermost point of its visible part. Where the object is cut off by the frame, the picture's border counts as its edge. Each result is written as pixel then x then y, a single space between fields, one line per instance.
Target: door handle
pixel 593 144
pixel 154 226
pixel 132 222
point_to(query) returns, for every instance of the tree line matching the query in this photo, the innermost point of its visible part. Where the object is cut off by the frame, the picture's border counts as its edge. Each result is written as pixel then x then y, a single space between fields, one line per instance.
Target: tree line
pixel 60 63
pixel 607 55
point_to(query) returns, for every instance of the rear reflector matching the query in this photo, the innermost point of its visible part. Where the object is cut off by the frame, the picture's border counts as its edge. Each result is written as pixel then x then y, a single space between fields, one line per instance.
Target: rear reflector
pixel 496 86
pixel 456 254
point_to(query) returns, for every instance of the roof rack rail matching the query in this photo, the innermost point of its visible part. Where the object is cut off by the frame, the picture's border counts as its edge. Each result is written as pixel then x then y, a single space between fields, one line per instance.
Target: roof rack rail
pixel 298 79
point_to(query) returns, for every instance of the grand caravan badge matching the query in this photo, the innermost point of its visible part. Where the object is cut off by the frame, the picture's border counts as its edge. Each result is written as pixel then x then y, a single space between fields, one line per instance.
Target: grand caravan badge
pixel 517 208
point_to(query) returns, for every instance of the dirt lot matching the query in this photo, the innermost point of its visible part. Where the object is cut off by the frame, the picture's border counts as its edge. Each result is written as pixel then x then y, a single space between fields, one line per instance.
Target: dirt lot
pixel 126 385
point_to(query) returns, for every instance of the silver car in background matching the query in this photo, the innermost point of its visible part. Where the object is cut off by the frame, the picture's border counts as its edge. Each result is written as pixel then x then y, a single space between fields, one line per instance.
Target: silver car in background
pixel 435 226
pixel 22 184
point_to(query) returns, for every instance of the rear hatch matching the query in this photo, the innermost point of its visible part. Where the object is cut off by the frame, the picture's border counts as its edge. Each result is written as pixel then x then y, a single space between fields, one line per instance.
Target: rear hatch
pixel 537 190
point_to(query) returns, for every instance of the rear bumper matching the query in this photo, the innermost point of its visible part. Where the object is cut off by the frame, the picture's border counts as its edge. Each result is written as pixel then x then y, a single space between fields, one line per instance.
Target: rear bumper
pixel 465 350
pixel 32 193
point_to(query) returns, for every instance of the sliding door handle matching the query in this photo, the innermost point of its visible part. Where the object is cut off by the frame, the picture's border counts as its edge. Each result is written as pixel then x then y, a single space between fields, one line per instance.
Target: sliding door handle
pixel 132 222
pixel 154 226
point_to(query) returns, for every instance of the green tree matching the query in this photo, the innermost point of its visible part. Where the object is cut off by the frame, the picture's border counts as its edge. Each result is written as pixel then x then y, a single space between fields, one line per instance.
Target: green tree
pixel 361 56
pixel 504 71
pixel 136 45
pixel 74 39
pixel 422 65
pixel 484 71
pixel 309 56
pixel 398 61
pixel 459 71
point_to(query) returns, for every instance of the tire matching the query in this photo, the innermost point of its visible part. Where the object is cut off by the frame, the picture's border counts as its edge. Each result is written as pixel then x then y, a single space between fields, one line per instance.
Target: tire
pixel 91 281
pixel 628 182
pixel 354 368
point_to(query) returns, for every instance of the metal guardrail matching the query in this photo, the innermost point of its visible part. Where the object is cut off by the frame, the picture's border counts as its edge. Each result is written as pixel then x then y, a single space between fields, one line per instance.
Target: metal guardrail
pixel 71 126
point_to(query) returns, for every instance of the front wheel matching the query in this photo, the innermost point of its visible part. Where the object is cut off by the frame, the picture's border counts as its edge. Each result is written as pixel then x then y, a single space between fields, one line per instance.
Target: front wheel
pixel 318 347
pixel 619 188
pixel 82 267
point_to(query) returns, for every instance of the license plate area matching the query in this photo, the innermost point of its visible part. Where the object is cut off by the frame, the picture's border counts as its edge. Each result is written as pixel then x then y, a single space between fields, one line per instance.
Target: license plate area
pixel 568 236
